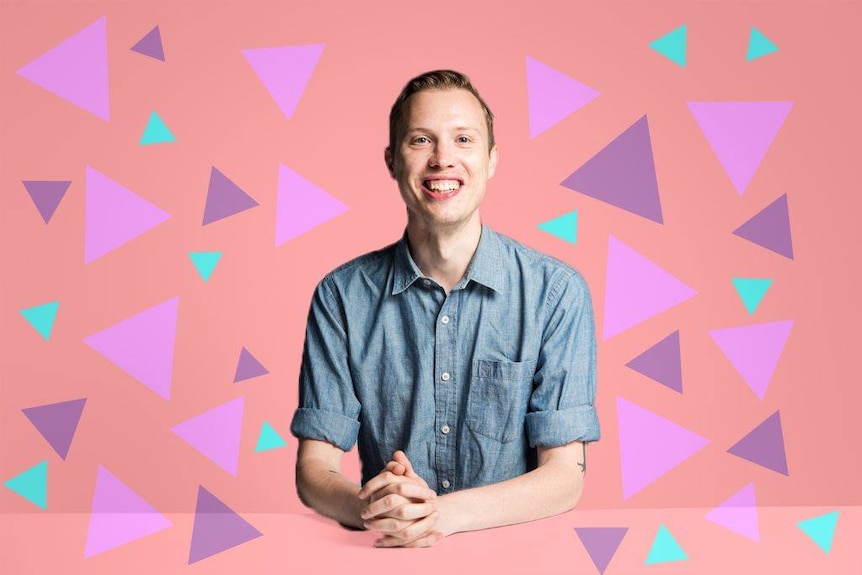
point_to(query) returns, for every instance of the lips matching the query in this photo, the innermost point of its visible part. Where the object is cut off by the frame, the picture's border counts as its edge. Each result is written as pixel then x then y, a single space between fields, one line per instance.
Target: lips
pixel 442 188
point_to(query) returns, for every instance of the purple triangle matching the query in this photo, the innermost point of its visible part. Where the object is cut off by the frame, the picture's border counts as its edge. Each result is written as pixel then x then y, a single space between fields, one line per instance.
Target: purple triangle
pixel 46 196
pixel 754 350
pixel 739 513
pixel 640 431
pixel 661 362
pixel 143 345
pixel 57 422
pixel 302 206
pixel 285 71
pixel 770 228
pixel 217 528
pixel 224 198
pixel 248 367
pixel 552 96
pixel 76 69
pixel 151 45
pixel 764 445
pixel 601 543
pixel 119 515
pixel 622 174
pixel 740 133
pixel 216 434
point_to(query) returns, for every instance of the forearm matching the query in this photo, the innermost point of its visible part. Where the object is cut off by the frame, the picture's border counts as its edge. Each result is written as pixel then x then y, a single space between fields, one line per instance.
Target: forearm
pixel 328 492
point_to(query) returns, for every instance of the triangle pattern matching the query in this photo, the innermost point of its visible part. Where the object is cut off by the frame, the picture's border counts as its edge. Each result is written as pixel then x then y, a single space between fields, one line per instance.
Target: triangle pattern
pixel 46 196
pixel 564 227
pixel 751 291
pixel 759 45
pixel 553 96
pixel 672 45
pixel 302 206
pixel 156 132
pixel 217 528
pixel 764 445
pixel 661 362
pixel 739 513
pixel 248 367
pixel 770 228
pixel 151 45
pixel 285 71
pixel 205 263
pixel 32 484
pixel 821 529
pixel 42 317
pixel 224 198
pixel 57 422
pixel 268 438
pixel 216 434
pixel 601 543
pixel 664 548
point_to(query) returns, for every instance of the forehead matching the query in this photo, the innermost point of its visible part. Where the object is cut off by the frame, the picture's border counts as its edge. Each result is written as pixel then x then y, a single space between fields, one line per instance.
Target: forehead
pixel 450 107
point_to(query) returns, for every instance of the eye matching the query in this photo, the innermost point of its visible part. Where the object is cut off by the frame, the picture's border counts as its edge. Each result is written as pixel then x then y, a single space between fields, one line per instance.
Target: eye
pixel 420 140
pixel 463 139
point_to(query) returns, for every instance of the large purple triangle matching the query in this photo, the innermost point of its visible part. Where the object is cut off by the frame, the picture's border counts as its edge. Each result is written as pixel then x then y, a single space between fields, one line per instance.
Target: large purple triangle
pixel 151 45
pixel 622 174
pixel 738 513
pixel 216 434
pixel 217 528
pixel 46 196
pixel 552 96
pixel 285 71
pixel 57 422
pixel 224 198
pixel 76 69
pixel 770 228
pixel 248 367
pixel 143 345
pixel 601 543
pixel 302 206
pixel 661 362
pixel 764 445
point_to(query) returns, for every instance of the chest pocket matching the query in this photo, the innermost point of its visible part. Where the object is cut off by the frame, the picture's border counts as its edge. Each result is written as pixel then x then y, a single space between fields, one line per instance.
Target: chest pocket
pixel 497 403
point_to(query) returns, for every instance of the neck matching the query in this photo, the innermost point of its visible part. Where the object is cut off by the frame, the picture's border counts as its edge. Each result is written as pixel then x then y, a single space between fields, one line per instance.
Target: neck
pixel 444 254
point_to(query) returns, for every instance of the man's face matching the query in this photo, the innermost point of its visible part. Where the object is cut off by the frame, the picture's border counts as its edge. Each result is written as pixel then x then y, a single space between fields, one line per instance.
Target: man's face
pixel 441 160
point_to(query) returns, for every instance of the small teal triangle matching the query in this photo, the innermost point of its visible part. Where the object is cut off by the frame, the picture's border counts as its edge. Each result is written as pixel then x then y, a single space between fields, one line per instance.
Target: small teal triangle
pixel 268 438
pixel 751 291
pixel 41 317
pixel 665 548
pixel 32 484
pixel 759 45
pixel 156 132
pixel 564 227
pixel 672 45
pixel 821 529
pixel 205 262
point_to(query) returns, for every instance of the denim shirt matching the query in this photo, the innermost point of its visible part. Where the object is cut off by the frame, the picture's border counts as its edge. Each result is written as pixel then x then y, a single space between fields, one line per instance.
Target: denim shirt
pixel 468 383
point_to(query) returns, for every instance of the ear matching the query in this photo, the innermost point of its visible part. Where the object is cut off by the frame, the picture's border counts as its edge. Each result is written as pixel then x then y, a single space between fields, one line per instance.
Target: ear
pixel 387 157
pixel 492 162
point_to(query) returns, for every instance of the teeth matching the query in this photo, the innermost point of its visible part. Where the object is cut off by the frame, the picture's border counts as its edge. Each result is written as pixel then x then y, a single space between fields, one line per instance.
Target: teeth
pixel 443 185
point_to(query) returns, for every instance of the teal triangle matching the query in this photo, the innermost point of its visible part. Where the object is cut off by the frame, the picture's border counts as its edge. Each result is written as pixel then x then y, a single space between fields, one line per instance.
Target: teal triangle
pixel 759 45
pixel 205 262
pixel 32 484
pixel 821 529
pixel 564 227
pixel 672 45
pixel 665 548
pixel 41 317
pixel 751 291
pixel 268 438
pixel 156 132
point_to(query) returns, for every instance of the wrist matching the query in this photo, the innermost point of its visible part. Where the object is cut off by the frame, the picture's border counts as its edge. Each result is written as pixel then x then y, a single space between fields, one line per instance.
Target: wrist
pixel 448 521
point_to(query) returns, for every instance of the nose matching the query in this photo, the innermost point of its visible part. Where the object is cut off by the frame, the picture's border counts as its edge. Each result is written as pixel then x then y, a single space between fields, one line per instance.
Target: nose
pixel 442 155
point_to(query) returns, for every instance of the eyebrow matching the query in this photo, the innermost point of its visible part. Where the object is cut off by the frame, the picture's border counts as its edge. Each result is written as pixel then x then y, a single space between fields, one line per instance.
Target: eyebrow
pixel 458 129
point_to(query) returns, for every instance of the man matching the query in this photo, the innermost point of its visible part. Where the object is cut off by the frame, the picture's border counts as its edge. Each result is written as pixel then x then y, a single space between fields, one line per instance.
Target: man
pixel 462 361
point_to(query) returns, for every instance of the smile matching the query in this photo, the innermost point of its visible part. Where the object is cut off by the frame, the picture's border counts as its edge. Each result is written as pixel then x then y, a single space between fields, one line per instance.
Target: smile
pixel 441 189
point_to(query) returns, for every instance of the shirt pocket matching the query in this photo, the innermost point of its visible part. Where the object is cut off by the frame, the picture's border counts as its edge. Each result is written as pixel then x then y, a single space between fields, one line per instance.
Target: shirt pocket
pixel 497 402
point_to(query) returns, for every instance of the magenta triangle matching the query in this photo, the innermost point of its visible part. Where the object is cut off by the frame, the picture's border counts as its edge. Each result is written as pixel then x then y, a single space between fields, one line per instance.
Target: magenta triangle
pixel 770 228
pixel 151 45
pixel 738 513
pixel 119 515
pixel 764 445
pixel 76 69
pixel 224 198
pixel 57 422
pixel 552 96
pixel 248 367
pixel 661 362
pixel 637 289
pixel 640 430
pixel 754 350
pixel 302 206
pixel 622 174
pixel 217 528
pixel 46 196
pixel 285 71
pixel 143 345
pixel 601 543
pixel 216 434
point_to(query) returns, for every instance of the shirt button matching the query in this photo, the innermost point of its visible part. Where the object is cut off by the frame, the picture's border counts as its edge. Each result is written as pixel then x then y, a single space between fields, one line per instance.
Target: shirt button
pixel 445 319
pixel 445 429
pixel 445 483
pixel 445 376
pixel 426 282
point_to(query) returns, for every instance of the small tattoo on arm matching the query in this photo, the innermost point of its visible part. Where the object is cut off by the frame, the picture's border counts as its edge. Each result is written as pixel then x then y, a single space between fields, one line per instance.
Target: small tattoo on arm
pixel 583 465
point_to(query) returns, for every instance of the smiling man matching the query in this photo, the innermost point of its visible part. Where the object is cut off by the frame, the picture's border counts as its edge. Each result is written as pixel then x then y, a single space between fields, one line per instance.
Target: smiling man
pixel 462 361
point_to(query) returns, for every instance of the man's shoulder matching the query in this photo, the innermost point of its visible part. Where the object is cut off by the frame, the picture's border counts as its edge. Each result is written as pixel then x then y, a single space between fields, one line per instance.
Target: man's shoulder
pixel 533 260
pixel 372 263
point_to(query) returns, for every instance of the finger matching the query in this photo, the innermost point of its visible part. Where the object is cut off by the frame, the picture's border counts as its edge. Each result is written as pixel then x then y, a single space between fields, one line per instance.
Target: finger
pixel 428 540
pixel 407 511
pixel 377 482
pixel 413 531
pixel 387 482
pixel 396 468
pixel 383 500
pixel 401 458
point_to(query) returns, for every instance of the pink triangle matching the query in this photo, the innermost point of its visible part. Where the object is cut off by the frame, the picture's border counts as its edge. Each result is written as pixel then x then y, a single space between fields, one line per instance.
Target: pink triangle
pixel 57 422
pixel 739 513
pixel 143 345
pixel 640 432
pixel 119 515
pixel 114 216
pixel 740 133
pixel 285 71
pixel 754 350
pixel 552 96
pixel 76 69
pixel 302 206
pixel 216 434
pixel 637 289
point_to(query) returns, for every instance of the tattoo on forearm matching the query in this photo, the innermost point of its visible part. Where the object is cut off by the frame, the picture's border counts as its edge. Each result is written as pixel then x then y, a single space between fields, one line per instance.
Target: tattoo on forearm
pixel 583 465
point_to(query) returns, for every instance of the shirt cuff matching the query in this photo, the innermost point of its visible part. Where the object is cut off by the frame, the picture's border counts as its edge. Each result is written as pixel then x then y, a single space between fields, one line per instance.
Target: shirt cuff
pixel 329 426
pixel 555 428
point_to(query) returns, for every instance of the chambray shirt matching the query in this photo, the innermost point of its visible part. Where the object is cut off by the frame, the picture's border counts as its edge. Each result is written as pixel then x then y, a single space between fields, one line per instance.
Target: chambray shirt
pixel 468 383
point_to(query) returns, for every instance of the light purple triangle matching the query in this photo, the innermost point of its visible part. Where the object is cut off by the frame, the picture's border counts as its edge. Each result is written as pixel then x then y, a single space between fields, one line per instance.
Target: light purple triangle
pixel 57 422
pixel 248 367
pixel 114 215
pixel 46 196
pixel 622 174
pixel 754 350
pixel 739 513
pixel 661 362
pixel 224 198
pixel 76 69
pixel 637 289
pixel 770 228
pixel 302 206
pixel 764 445
pixel 601 543
pixel 285 71
pixel 216 434
pixel 217 528
pixel 143 345
pixel 151 45
pixel 119 515
pixel 553 96
pixel 740 133
pixel 640 431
